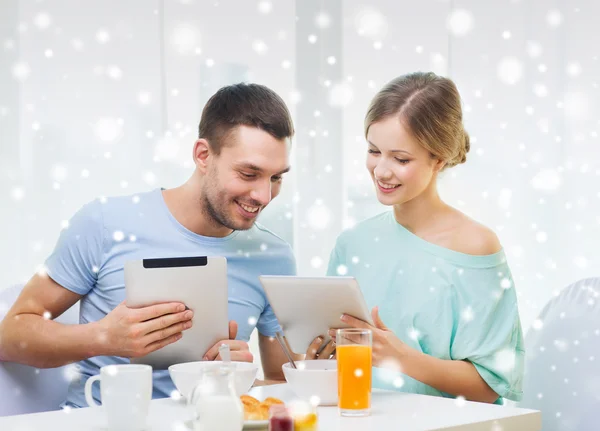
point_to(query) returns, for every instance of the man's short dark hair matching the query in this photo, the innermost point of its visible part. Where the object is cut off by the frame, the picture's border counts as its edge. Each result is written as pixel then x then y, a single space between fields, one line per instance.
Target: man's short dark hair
pixel 245 104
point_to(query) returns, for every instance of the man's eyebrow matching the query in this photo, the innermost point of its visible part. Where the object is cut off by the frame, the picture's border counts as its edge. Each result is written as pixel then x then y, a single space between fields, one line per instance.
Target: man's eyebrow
pixel 255 168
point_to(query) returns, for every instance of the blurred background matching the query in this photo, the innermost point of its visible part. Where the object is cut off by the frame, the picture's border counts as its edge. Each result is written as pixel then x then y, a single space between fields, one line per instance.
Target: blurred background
pixel 103 98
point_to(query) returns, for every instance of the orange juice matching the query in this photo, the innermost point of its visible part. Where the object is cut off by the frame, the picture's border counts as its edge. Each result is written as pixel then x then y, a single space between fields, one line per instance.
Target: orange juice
pixel 354 377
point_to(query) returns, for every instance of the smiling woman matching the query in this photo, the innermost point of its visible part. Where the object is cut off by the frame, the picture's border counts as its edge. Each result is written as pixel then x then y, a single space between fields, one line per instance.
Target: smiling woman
pixel 438 279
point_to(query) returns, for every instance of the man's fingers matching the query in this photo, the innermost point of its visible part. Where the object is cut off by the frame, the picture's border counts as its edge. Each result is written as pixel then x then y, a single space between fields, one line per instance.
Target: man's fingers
pixel 233 329
pixel 162 343
pixel 163 333
pixel 166 321
pixel 234 345
pixel 239 356
pixel 154 311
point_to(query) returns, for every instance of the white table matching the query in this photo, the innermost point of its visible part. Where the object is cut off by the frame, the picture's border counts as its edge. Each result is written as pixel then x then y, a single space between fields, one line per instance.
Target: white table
pixel 390 411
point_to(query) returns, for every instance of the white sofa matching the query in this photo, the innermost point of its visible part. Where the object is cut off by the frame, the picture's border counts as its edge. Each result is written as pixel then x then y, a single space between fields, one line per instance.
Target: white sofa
pixel 562 368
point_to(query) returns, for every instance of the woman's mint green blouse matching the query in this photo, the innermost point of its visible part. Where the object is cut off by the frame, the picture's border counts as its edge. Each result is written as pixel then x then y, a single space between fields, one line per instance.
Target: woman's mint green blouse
pixel 441 302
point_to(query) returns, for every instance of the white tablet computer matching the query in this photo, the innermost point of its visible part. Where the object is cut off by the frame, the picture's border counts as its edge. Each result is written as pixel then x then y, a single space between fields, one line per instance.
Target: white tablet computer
pixel 200 283
pixel 307 307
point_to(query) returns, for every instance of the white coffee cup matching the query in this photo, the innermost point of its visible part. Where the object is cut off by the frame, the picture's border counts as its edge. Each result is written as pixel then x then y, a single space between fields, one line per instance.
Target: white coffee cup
pixel 126 391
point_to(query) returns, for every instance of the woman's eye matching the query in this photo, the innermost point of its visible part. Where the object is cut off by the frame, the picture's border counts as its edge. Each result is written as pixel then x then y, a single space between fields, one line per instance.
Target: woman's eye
pixel 276 178
pixel 403 161
pixel 245 175
pixel 373 152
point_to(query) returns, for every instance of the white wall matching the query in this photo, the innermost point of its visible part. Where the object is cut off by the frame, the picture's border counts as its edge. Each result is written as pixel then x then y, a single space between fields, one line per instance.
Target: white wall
pixel 90 117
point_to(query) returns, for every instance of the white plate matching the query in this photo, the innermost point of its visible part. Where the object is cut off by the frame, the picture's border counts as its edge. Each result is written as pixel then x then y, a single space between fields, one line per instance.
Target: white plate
pixel 248 425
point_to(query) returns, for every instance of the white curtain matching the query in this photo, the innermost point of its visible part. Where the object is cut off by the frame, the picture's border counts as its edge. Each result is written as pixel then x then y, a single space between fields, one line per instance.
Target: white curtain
pixel 104 98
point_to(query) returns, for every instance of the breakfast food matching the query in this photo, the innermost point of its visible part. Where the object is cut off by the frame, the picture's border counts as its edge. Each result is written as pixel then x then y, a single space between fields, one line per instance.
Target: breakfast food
pixel 254 410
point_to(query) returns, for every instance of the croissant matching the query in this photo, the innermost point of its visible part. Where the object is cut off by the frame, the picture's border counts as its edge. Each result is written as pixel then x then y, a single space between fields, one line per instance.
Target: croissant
pixel 254 410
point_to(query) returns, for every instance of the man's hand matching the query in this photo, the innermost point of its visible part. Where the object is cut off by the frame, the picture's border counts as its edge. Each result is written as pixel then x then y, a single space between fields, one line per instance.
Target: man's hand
pixel 239 349
pixel 136 332
pixel 316 350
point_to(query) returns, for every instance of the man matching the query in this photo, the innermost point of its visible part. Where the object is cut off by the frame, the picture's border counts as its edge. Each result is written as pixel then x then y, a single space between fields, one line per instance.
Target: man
pixel 240 157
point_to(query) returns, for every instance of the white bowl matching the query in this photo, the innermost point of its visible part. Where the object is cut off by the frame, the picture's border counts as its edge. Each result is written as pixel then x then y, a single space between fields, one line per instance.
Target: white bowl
pixel 316 378
pixel 187 375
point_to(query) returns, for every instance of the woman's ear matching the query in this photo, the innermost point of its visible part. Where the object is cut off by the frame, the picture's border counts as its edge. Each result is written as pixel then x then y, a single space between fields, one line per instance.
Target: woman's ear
pixel 439 165
pixel 202 154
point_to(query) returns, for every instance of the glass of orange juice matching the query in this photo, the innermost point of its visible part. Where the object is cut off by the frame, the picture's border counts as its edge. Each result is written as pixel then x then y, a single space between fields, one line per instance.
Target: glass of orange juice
pixel 354 348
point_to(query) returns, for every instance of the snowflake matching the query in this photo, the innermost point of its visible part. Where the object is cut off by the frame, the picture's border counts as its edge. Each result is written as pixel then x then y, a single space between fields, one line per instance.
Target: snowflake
pixel 546 180
pixel 414 334
pixel 108 129
pixel 398 382
pixel 438 63
pixel 185 38
pixel 580 262
pixel 114 72
pixel 18 193
pixel 118 236
pixel 42 21
pixel 561 345
pixel 460 401
pixel 295 97
pixel 260 47
pixel 149 178
pixel 59 173
pixel 318 216
pixel 554 18
pixel 77 44
pixel 540 90
pixel 341 95
pixel 505 360
pixel 265 7
pixel 102 36
pixel 71 373
pixel 316 262
pixel 460 22
pixel 371 23
pixel 112 370
pixel 322 20
pixel 574 69
pixel 577 105
pixel 342 270
pixel 510 70
pixel 467 314
pixel 21 71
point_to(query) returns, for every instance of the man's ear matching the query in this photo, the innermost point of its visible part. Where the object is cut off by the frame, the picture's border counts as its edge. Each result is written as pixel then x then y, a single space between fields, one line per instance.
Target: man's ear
pixel 202 154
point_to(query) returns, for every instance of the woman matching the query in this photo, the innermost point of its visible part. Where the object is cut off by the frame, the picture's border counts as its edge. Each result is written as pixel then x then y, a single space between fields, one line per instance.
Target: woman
pixel 438 279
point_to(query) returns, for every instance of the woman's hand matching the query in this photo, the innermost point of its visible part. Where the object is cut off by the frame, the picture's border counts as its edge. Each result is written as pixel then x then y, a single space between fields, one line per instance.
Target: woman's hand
pixel 388 349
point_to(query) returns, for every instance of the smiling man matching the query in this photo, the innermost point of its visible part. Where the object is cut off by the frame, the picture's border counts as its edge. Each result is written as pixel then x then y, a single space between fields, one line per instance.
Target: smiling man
pixel 240 156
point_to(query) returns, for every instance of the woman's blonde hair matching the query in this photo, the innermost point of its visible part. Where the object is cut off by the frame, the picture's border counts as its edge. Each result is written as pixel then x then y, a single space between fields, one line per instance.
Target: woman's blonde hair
pixel 430 107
